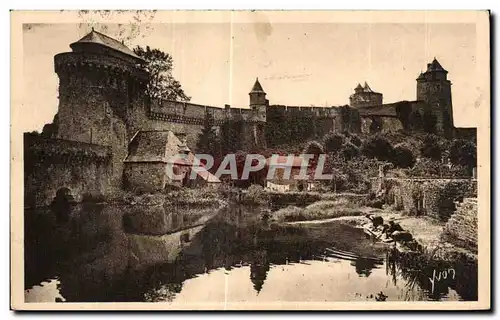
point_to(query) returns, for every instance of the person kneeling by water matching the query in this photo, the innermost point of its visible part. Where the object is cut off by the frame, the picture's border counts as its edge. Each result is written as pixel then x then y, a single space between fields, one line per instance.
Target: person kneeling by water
pixel 390 228
pixel 376 220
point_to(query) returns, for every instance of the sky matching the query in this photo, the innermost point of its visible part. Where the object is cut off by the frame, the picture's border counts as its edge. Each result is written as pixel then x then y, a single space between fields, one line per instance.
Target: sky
pixel 297 63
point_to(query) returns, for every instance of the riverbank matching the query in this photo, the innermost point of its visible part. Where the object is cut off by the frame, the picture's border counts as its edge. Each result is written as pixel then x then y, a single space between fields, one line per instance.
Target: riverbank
pixel 427 231
pixel 323 210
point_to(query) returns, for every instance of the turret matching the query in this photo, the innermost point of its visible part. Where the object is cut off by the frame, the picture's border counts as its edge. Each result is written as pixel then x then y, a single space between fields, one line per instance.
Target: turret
pixel 257 95
pixel 364 96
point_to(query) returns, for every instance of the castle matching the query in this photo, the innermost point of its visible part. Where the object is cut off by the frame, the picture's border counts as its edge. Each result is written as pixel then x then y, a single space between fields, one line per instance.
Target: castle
pixel 103 105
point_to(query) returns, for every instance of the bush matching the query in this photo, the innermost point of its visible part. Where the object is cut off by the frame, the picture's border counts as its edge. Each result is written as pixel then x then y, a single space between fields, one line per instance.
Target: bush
pixel 431 148
pixel 349 151
pixel 256 195
pixel 93 198
pixel 355 140
pixel 379 148
pixel 464 153
pixel 403 157
pixel 333 142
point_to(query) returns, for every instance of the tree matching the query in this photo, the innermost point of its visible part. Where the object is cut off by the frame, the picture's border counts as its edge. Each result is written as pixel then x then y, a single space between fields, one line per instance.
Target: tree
pixel 349 151
pixel 464 152
pixel 333 142
pixel 378 147
pixel 208 141
pixel 403 157
pixel 162 84
pixel 355 140
pixel 431 147
pixel 231 136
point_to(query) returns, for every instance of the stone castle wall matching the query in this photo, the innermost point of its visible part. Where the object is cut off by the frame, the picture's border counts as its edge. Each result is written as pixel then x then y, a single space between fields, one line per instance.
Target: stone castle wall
pixel 461 229
pixel 432 197
pixel 51 164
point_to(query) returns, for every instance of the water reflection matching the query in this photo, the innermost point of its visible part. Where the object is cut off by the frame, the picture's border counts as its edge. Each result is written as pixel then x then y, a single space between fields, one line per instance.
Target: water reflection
pixel 214 256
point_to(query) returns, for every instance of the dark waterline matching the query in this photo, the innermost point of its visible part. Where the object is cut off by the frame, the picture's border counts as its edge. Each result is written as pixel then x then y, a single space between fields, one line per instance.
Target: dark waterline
pixel 232 257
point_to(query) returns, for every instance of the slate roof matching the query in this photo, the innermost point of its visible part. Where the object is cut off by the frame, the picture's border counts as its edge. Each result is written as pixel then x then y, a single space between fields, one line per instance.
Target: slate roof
pixel 153 146
pixel 104 40
pixel 257 87
pixel 435 66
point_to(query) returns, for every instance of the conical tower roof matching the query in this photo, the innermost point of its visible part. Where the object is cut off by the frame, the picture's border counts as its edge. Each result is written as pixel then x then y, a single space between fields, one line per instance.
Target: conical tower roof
pixel 367 88
pixel 435 66
pixel 106 41
pixel 257 87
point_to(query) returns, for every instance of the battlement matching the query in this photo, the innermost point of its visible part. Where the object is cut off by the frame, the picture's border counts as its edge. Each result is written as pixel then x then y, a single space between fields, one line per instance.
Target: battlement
pixel 40 148
pixel 190 113
pixel 70 61
pixel 320 112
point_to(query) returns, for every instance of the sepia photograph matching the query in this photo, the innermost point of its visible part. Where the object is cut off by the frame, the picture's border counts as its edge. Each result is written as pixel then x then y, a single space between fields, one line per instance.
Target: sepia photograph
pixel 250 160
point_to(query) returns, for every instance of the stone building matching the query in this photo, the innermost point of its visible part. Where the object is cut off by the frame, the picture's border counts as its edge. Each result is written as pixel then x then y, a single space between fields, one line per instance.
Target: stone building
pixel 159 158
pixel 365 96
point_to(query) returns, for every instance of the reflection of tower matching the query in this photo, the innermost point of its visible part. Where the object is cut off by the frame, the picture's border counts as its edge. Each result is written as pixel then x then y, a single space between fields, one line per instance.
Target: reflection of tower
pixel 258 274
pixel 364 266
pixel 258 270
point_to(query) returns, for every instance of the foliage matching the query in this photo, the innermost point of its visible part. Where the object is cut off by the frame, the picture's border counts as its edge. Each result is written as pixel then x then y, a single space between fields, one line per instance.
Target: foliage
pixel 350 174
pixel 284 127
pixel 432 147
pixel 378 147
pixel 355 140
pixel 349 151
pixel 208 140
pixel 426 167
pixel 256 195
pixel 162 84
pixel 403 157
pixel 313 147
pixel 231 136
pixel 333 142
pixel 464 153
pixel 325 209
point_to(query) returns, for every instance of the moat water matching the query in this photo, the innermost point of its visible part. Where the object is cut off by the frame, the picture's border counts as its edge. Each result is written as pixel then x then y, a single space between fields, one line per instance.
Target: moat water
pixel 231 257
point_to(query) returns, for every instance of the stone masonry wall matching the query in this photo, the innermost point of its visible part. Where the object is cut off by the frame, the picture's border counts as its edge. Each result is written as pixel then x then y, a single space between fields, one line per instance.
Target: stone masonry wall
pixel 51 164
pixel 461 229
pixel 431 197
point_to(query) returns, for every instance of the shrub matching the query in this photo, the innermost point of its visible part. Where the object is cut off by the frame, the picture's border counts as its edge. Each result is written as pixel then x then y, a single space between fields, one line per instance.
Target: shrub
pixel 349 151
pixel 379 148
pixel 431 148
pixel 464 153
pixel 256 195
pixel 333 142
pixel 403 157
pixel 355 140
pixel 93 198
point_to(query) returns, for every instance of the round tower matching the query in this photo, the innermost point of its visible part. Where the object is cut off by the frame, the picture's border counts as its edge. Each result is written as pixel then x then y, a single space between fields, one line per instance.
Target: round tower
pixel 98 82
pixel 434 88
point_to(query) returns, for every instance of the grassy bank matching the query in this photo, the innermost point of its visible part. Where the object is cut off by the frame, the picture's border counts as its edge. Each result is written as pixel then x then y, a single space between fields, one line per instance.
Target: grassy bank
pixel 323 209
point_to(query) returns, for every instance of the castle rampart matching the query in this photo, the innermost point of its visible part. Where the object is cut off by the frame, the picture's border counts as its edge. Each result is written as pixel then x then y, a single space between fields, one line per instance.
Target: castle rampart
pixel 52 164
